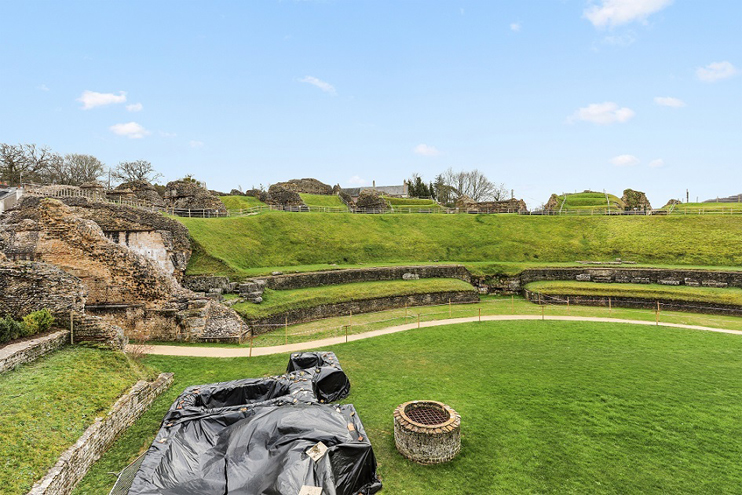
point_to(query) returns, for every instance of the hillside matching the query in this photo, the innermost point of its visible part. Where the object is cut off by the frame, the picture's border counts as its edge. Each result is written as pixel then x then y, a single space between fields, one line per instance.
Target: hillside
pixel 232 245
pixel 589 200
pixel 239 202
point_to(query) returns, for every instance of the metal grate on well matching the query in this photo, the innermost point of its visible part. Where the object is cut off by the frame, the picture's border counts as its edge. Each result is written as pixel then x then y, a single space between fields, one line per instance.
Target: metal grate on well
pixel 126 477
pixel 427 415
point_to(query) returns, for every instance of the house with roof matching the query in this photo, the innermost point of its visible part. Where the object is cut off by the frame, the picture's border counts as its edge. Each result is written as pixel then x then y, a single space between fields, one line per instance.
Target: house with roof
pixel 393 191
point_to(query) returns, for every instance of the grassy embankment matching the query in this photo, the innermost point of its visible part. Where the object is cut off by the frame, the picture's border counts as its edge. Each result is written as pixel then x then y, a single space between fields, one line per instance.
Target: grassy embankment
pixel 547 407
pixel 590 200
pixel 696 208
pixel 730 296
pixel 240 202
pixel 45 407
pixel 323 200
pixel 241 247
pixel 280 301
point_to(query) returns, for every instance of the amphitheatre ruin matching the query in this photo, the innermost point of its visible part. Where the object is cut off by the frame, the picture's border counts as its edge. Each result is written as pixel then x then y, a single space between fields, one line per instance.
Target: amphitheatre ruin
pixel 147 290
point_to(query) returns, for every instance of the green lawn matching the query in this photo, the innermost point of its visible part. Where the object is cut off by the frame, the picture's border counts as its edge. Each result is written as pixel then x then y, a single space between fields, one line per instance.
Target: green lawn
pixel 547 407
pixel 237 246
pixel 695 208
pixel 240 202
pixel 280 301
pixel 45 407
pixel 325 200
pixel 731 295
pixel 410 201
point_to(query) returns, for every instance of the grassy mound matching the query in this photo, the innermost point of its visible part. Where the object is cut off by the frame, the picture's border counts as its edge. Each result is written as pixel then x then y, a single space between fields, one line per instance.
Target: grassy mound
pixel 695 208
pixel 46 406
pixel 410 201
pixel 279 301
pixel 591 200
pixel 732 296
pixel 234 246
pixel 328 201
pixel 547 407
pixel 240 202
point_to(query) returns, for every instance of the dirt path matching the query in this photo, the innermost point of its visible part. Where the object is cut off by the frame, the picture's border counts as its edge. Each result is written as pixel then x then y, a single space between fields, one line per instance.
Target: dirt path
pixel 227 352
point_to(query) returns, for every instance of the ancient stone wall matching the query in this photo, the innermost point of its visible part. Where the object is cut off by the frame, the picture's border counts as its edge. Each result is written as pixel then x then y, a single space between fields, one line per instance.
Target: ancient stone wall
pixel 74 463
pixel 28 351
pixel 334 277
pixel 263 325
pixel 309 186
pixel 147 243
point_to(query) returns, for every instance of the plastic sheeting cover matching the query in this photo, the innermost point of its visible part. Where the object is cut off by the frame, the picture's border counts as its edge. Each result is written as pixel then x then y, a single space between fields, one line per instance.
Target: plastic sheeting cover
pixel 255 436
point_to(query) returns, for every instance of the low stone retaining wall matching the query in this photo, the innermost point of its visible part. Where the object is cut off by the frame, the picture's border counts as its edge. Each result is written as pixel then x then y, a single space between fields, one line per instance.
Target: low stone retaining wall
pixel 74 463
pixel 692 278
pixel 28 351
pixel 637 302
pixel 372 274
pixel 361 306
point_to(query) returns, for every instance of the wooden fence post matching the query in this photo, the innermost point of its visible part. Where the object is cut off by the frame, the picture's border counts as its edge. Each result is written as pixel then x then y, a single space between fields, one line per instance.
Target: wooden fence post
pixel 657 314
pixel 286 328
pixel 449 308
pixel 251 337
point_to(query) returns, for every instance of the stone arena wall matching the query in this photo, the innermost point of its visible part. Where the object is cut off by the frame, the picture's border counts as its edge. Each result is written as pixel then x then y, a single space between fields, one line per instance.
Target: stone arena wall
pixel 28 351
pixel 74 463
pixel 360 306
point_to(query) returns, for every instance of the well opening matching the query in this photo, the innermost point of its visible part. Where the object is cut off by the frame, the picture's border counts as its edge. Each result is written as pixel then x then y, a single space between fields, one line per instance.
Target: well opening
pixel 427 432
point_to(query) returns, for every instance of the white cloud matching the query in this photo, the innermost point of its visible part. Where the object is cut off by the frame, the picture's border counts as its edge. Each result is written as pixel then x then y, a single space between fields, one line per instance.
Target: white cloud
pixel 92 99
pixel 42 87
pixel 659 162
pixel 716 71
pixel 134 107
pixel 515 27
pixel 603 113
pixel 196 144
pixel 616 12
pixel 324 86
pixel 131 130
pixel 625 161
pixel 357 181
pixel 625 39
pixel 668 101
pixel 425 150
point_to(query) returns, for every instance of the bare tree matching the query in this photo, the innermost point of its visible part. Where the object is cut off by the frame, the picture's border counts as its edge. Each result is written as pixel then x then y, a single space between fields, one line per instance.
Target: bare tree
pixel 26 162
pixel 473 184
pixel 139 170
pixel 78 169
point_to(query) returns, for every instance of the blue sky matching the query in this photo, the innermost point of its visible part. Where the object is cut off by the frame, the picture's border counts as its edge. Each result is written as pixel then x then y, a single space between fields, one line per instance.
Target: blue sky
pixel 543 95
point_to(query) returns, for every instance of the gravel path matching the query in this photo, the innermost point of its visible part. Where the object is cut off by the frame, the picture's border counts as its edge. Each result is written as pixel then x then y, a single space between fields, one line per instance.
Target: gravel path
pixel 227 352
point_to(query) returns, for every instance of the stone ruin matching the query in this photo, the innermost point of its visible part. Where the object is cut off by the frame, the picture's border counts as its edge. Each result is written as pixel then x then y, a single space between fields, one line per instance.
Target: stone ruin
pixel 306 186
pixel 281 196
pixel 635 200
pixel 188 195
pixel 128 260
pixel 369 199
pixel 513 205
pixel 143 191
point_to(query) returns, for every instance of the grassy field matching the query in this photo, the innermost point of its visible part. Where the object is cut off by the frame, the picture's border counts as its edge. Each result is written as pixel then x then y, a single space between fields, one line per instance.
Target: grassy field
pixel 279 301
pixel 235 246
pixel 732 296
pixel 46 406
pixel 547 407
pixel 329 201
pixel 696 208
pixel 240 202
pixel 410 201
pixel 590 200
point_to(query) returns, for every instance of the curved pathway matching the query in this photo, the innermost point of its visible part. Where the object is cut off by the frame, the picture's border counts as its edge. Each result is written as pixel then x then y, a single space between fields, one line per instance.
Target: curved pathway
pixel 229 352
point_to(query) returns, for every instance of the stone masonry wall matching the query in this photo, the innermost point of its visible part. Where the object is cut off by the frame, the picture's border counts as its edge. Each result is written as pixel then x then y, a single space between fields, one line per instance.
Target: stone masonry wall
pixel 334 277
pixel 74 463
pixel 263 325
pixel 28 351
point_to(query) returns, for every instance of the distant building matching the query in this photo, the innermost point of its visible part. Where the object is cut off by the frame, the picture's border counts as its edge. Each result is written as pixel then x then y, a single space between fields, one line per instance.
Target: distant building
pixel 393 191
pixel 9 197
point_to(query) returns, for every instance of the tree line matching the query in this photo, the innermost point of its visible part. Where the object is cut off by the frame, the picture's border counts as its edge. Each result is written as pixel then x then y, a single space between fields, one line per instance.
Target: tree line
pixel 29 163
pixel 450 185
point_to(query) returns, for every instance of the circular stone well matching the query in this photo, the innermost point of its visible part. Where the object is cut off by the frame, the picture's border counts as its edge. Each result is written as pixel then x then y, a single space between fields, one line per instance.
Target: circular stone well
pixel 427 431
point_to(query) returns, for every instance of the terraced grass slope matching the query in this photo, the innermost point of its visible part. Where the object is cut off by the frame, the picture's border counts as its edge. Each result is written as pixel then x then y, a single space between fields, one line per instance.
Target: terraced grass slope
pixel 45 407
pixel 410 201
pixel 731 296
pixel 240 202
pixel 231 246
pixel 279 301
pixel 547 406
pixel 591 200
pixel 326 200
pixel 695 208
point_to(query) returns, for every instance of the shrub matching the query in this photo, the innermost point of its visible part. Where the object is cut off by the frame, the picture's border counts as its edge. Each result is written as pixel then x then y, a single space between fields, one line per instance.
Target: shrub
pixel 37 322
pixel 10 329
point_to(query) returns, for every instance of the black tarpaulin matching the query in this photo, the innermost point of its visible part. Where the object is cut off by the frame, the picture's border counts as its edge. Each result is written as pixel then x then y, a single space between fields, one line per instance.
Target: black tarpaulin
pixel 263 436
